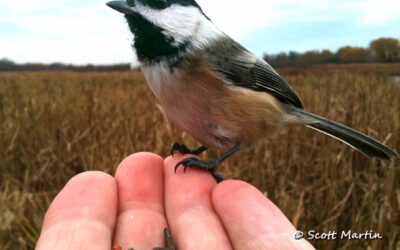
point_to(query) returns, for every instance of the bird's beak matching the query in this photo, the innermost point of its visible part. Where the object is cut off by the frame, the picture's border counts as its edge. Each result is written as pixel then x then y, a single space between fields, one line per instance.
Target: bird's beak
pixel 121 6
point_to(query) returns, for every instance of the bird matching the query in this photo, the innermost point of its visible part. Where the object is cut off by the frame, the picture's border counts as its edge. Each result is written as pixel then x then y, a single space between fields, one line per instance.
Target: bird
pixel 214 88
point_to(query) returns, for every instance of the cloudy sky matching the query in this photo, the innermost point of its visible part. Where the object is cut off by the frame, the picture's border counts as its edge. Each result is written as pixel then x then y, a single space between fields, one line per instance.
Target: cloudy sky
pixel 87 31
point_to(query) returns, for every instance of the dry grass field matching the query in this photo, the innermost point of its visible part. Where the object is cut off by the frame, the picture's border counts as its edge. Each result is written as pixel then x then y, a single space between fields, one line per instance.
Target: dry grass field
pixel 54 125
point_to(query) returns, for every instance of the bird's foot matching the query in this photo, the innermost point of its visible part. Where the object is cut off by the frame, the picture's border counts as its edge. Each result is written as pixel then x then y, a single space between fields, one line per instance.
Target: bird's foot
pixel 193 162
pixel 183 149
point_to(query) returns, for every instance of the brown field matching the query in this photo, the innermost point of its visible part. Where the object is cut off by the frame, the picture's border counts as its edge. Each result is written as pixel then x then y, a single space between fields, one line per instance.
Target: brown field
pixel 54 125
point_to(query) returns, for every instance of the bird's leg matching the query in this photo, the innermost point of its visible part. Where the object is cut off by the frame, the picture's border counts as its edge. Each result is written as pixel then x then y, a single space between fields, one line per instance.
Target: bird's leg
pixel 193 162
pixel 185 150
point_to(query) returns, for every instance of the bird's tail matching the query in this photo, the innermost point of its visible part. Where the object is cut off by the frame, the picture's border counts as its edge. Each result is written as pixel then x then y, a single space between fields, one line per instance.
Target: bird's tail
pixel 365 144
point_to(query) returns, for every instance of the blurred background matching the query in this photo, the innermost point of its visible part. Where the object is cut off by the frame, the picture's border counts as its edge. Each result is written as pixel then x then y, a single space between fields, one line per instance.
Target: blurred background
pixel 70 103
pixel 88 32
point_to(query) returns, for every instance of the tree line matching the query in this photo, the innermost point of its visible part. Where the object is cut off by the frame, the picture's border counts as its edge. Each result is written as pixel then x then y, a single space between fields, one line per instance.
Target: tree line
pixel 8 65
pixel 382 50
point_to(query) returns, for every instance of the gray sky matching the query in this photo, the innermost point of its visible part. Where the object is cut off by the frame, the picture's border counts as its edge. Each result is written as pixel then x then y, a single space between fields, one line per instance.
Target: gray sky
pixel 87 31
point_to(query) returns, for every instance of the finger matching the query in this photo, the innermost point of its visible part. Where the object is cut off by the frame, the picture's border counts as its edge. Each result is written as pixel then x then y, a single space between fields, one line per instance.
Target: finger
pixel 141 219
pixel 82 216
pixel 251 220
pixel 190 214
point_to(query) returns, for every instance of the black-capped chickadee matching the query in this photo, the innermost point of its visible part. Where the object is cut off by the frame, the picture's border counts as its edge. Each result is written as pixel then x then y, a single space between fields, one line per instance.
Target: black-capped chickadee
pixel 215 89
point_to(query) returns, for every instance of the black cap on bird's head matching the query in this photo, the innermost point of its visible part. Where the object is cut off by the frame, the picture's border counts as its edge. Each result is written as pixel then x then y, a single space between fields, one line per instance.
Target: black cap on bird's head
pixel 163 28
pixel 124 6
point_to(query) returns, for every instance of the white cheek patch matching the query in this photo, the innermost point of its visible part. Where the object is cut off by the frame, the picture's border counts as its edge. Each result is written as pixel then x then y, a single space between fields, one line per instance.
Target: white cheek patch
pixel 206 32
pixel 176 21
pixel 181 23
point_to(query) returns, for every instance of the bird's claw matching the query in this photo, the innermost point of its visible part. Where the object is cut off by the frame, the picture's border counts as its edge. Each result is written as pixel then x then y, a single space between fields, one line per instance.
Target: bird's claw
pixel 169 243
pixel 193 162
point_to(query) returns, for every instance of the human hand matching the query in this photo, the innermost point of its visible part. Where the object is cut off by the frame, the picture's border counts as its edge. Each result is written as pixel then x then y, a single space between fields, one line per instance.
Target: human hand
pixel 96 211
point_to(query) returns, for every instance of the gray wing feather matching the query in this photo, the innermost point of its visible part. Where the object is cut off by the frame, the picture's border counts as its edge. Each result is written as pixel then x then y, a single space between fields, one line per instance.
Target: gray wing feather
pixel 242 68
